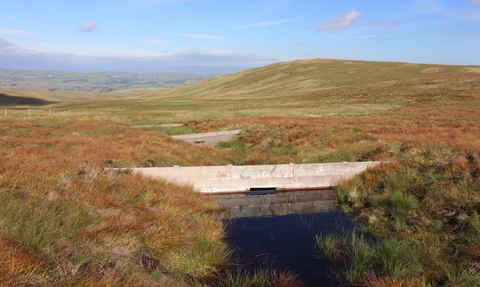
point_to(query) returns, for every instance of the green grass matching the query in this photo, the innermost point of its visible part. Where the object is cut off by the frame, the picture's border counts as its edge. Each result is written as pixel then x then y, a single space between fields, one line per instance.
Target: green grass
pixel 355 255
pixel 396 203
pixel 39 224
pixel 258 277
pixel 420 207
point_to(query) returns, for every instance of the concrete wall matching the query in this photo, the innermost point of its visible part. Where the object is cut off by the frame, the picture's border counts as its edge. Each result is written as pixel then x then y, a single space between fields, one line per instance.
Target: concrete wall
pixel 301 202
pixel 219 179
pixel 211 138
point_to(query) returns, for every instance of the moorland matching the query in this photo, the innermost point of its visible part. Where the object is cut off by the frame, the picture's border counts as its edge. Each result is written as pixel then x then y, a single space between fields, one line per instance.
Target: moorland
pixel 66 220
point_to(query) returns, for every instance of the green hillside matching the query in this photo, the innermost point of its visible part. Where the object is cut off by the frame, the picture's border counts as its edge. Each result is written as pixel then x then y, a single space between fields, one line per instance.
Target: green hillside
pixel 313 77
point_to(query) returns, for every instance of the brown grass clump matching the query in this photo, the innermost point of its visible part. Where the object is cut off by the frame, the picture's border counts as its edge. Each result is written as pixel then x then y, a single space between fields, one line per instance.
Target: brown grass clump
pixel 72 222
pixel 285 279
pixel 18 265
pixel 375 281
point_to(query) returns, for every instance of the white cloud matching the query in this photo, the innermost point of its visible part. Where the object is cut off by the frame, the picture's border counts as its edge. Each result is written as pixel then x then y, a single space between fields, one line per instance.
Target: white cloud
pixel 14 57
pixel 440 38
pixel 263 24
pixel 89 27
pixel 157 42
pixel 435 7
pixel 384 23
pixel 375 37
pixel 6 46
pixel 339 22
pixel 427 7
pixel 9 32
pixel 201 36
pixel 377 23
pixel 164 18
pixel 394 24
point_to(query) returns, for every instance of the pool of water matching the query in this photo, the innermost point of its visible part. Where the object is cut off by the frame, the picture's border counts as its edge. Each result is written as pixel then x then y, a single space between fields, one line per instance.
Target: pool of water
pixel 283 237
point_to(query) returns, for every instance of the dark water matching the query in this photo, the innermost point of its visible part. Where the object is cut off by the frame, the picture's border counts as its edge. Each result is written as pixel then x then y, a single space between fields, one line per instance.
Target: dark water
pixel 285 241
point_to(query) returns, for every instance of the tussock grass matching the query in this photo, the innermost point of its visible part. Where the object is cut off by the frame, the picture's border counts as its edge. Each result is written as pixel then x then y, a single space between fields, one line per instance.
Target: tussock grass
pixel 241 277
pixel 18 263
pixel 84 225
pixel 425 207
pixel 361 259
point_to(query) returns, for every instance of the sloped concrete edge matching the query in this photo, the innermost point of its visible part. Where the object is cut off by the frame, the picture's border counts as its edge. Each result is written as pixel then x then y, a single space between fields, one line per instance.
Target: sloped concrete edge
pixel 210 138
pixel 238 179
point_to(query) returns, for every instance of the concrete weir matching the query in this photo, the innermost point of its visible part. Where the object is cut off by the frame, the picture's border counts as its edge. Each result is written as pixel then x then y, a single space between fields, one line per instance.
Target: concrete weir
pixel 211 138
pixel 243 179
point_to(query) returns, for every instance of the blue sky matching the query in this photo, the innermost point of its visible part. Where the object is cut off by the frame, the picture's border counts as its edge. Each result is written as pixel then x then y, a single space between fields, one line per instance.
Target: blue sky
pixel 226 35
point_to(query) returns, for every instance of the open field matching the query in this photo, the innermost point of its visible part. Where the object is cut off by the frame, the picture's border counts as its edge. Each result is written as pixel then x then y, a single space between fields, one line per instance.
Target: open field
pixel 425 208
pixel 95 82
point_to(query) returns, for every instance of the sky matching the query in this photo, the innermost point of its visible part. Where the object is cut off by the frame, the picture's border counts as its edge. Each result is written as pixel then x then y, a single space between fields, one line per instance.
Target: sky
pixel 227 35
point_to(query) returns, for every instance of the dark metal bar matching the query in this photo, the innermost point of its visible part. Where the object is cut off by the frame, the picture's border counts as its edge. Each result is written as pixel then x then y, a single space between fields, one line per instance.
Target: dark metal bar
pixel 262 190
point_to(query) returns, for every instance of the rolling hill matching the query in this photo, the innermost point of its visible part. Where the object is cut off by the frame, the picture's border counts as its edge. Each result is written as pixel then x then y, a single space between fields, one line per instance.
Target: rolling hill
pixel 317 77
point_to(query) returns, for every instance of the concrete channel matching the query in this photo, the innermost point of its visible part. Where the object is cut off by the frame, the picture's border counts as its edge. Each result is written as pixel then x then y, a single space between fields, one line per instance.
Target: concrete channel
pixel 211 138
pixel 248 179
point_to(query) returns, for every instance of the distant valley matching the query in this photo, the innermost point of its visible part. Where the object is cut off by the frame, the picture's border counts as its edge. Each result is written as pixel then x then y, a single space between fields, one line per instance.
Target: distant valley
pixel 96 82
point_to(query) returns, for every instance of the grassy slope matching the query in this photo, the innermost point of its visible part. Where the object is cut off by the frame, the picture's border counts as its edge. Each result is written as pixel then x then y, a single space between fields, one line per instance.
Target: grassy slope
pixel 423 116
pixel 305 78
pixel 313 88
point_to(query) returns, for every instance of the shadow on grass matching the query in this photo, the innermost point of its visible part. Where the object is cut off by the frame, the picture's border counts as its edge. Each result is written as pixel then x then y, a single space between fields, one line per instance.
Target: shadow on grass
pixel 6 100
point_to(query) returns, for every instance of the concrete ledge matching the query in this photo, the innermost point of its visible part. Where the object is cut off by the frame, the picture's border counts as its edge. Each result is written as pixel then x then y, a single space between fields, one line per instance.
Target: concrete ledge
pixel 239 179
pixel 211 138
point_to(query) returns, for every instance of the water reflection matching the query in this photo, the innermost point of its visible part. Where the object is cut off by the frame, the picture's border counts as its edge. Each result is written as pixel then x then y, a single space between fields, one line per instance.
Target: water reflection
pixel 300 202
pixel 278 231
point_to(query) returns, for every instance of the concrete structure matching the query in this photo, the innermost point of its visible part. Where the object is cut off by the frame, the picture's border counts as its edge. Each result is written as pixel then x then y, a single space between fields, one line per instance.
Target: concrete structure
pixel 211 138
pixel 300 202
pixel 241 179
